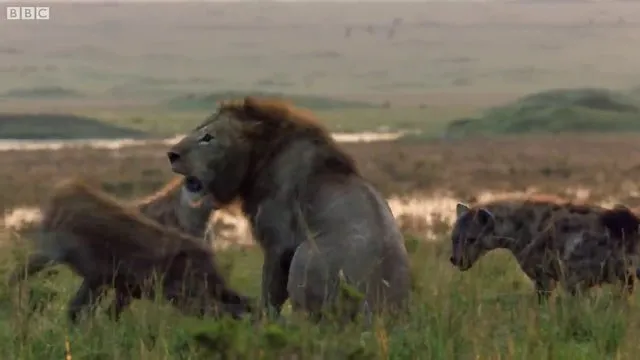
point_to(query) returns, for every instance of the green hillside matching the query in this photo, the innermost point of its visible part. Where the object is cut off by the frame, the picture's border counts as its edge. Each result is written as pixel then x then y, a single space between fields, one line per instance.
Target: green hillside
pixel 556 111
pixel 60 126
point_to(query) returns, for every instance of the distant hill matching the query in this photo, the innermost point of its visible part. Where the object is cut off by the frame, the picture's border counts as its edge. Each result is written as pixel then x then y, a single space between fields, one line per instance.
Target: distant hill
pixel 43 92
pixel 208 101
pixel 60 126
pixel 556 111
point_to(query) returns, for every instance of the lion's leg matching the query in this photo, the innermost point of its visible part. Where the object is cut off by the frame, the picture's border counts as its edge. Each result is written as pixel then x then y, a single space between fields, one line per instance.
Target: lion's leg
pixel 275 272
pixel 86 296
pixel 312 284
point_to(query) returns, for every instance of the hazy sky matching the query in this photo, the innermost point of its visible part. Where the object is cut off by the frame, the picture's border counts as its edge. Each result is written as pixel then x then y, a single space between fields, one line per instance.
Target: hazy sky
pixel 263 1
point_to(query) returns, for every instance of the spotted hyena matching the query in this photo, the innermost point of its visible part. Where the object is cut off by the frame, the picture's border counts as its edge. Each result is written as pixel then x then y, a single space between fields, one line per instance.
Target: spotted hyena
pixel 111 246
pixel 553 241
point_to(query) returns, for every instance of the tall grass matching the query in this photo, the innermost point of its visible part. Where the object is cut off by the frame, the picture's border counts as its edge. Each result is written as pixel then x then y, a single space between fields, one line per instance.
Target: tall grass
pixel 489 312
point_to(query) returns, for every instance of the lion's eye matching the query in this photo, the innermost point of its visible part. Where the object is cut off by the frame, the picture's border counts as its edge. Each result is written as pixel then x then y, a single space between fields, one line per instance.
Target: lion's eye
pixel 206 138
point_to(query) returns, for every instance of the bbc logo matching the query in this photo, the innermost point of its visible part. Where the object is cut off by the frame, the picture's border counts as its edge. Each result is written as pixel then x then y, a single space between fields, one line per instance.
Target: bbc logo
pixel 27 13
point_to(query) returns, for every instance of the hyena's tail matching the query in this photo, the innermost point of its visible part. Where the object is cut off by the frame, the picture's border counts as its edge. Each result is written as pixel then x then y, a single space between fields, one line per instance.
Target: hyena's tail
pixel 52 248
pixel 624 226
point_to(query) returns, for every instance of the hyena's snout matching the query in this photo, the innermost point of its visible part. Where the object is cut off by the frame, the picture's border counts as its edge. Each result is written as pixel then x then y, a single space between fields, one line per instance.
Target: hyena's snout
pixel 459 261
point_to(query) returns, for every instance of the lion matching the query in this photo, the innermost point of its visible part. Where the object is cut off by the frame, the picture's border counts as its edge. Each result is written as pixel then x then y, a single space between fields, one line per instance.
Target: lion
pixel 179 204
pixel 113 246
pixel 313 214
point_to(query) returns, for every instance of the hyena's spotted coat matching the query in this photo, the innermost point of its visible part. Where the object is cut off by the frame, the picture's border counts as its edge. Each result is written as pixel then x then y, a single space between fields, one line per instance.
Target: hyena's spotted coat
pixel 553 241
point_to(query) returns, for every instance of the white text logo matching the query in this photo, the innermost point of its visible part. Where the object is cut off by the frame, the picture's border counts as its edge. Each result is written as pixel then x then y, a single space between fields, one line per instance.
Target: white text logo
pixel 27 13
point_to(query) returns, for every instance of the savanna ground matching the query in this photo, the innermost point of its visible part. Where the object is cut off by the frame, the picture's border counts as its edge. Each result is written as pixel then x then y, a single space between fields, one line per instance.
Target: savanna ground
pixel 417 67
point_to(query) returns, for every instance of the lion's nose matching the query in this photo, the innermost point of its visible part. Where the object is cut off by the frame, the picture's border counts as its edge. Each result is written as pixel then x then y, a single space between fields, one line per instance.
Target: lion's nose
pixel 173 157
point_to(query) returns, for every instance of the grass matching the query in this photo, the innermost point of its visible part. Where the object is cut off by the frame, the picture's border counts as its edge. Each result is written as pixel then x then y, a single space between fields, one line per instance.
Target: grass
pixel 488 312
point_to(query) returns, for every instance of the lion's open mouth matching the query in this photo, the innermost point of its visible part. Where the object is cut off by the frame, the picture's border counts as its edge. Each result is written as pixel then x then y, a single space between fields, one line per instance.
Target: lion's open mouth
pixel 192 184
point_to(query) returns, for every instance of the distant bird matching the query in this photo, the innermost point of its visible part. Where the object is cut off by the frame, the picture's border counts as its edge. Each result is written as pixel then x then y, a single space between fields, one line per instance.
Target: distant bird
pixel 347 31
pixel 370 29
pixel 391 33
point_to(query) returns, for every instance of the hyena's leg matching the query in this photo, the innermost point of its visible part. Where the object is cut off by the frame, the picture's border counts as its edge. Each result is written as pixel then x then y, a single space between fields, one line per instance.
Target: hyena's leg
pixel 86 296
pixel 544 287
pixel 235 304
pixel 122 298
pixel 627 284
pixel 576 287
pixel 35 263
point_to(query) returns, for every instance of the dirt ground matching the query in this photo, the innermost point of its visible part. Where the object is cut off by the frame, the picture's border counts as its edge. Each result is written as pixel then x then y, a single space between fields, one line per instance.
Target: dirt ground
pixel 607 167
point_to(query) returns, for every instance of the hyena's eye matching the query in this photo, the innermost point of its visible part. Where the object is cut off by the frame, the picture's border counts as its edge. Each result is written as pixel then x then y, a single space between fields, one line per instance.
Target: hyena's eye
pixel 205 139
pixel 471 240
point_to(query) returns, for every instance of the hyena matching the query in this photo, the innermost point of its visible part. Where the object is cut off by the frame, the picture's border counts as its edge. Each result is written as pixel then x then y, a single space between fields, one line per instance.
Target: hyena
pixel 180 204
pixel 112 246
pixel 553 241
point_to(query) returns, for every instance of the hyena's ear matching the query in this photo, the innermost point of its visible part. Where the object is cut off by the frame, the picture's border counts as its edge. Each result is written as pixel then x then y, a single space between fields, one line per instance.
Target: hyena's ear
pixel 620 206
pixel 461 209
pixel 485 216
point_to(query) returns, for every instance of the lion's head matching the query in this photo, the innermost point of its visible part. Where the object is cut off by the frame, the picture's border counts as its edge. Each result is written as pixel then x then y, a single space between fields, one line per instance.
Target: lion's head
pixel 216 154
pixel 228 149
